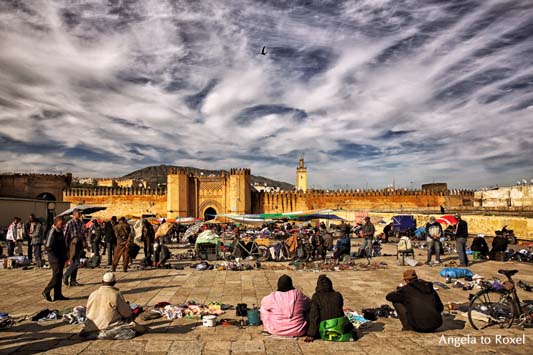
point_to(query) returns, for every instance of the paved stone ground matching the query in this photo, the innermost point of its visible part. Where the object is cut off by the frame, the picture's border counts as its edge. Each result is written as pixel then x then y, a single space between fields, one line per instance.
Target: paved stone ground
pixel 21 289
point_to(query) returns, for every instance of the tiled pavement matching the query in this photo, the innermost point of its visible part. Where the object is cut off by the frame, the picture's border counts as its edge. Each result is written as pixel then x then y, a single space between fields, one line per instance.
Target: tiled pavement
pixel 20 294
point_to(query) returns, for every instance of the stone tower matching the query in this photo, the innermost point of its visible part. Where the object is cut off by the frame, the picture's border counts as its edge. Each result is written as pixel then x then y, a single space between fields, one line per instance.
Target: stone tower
pixel 178 194
pixel 240 192
pixel 301 176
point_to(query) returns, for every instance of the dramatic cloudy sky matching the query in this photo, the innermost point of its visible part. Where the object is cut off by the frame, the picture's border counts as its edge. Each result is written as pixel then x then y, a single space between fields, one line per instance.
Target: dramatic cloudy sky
pixel 370 90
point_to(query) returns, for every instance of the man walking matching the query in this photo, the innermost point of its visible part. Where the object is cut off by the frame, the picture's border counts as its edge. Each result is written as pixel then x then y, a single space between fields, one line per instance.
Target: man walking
pixel 75 241
pixel 35 235
pixel 124 241
pixel 56 249
pixel 433 235
pixel 461 233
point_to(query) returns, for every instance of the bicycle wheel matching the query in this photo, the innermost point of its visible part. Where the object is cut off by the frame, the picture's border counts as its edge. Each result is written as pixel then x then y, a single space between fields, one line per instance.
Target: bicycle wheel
pixel 261 253
pixel 491 308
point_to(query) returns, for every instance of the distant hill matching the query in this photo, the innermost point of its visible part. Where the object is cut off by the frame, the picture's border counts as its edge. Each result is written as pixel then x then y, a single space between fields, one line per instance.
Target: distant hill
pixel 154 175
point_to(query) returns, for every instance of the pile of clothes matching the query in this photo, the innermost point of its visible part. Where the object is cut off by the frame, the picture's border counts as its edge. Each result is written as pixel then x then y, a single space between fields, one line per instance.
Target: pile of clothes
pixel 76 316
pixel 189 310
pixel 46 315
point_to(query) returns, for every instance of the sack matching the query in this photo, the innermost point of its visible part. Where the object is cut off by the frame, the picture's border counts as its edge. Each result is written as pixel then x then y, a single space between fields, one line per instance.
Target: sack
pixel 455 272
pixel 405 244
pixel 332 330
pixel 242 310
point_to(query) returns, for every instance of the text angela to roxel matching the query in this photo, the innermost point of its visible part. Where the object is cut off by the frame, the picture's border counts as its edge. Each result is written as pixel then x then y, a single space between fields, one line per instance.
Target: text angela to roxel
pixel 497 339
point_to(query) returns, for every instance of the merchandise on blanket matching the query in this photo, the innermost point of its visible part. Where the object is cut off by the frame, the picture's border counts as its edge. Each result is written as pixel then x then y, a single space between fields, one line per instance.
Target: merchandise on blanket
pixel 455 272
pixel 77 316
pixel 46 315
pixel 161 304
pixel 441 285
pixel 17 261
pixel 356 319
pixel 525 286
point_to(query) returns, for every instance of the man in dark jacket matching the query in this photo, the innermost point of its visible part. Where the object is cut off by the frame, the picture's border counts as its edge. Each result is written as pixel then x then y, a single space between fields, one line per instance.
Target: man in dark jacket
pixel 418 305
pixel 148 236
pixel 56 249
pixel 461 233
pixel 326 304
pixel 343 245
pixel 110 239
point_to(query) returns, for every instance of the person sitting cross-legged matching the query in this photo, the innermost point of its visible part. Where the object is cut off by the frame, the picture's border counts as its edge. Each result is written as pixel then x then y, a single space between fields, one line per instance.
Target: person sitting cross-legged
pixel 283 311
pixel 108 314
pixel 327 309
pixel 417 304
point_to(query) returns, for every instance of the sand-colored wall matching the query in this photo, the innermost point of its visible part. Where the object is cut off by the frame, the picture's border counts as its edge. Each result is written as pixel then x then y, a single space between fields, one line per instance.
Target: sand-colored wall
pixel 477 224
pixel 121 202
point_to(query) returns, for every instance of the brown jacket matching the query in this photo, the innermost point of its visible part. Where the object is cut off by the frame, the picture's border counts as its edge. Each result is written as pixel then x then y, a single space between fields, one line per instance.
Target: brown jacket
pixel 106 309
pixel 123 233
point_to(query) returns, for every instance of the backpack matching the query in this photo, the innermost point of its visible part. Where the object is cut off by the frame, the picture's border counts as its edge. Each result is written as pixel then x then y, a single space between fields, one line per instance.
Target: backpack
pixel 332 330
pixel 405 244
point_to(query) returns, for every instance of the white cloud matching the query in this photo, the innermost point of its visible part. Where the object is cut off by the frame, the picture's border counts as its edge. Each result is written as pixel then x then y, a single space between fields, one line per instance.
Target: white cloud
pixel 371 90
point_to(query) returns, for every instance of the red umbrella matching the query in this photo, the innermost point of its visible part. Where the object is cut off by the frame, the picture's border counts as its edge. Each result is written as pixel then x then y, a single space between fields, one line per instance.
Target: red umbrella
pixel 447 219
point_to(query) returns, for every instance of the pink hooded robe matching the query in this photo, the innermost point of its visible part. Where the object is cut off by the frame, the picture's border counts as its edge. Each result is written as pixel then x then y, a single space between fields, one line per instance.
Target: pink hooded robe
pixel 283 313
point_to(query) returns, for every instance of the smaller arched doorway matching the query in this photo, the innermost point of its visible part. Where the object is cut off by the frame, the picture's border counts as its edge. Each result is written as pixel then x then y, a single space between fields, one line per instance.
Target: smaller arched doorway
pixel 47 196
pixel 209 214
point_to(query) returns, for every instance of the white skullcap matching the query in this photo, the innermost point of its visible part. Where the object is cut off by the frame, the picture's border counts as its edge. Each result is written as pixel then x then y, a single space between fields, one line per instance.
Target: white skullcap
pixel 109 277
pixel 481 235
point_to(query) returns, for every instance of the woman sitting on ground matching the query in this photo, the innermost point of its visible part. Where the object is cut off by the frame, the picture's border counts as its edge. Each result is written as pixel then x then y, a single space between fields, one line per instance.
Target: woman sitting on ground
pixel 326 304
pixel 283 311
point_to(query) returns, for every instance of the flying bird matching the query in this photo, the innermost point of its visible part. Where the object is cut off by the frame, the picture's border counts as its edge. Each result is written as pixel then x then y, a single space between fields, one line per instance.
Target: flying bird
pixel 263 51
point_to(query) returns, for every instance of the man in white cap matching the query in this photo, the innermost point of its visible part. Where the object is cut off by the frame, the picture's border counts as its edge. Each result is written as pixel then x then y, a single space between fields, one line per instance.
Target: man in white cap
pixel 109 316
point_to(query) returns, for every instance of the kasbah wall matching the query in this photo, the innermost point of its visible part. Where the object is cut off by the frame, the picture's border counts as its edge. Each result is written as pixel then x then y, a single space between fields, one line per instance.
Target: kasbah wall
pixel 190 195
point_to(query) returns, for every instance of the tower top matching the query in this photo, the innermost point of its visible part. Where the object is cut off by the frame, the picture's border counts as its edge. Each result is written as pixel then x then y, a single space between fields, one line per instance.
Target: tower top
pixel 301 164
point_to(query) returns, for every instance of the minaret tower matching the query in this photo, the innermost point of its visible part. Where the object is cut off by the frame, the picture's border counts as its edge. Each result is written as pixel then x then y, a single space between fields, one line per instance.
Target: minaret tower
pixel 301 175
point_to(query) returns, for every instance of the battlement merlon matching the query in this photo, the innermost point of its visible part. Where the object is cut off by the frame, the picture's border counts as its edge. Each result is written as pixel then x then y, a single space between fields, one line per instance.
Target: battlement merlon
pixel 240 171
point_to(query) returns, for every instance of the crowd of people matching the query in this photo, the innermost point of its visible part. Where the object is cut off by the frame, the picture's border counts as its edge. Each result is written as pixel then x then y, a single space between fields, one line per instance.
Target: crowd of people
pixel 285 312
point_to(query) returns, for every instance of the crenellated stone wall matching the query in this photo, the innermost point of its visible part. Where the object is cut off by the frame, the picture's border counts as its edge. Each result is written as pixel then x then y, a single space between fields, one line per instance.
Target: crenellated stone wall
pixel 374 200
pixel 120 201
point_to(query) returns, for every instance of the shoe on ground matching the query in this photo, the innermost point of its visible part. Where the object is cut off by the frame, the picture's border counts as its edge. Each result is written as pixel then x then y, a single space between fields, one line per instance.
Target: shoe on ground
pixel 436 263
pixel 75 283
pixel 46 296
pixel 65 282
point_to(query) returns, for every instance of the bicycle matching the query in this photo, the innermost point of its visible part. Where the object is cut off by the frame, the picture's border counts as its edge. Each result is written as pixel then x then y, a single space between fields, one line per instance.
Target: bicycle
pixel 243 250
pixel 499 305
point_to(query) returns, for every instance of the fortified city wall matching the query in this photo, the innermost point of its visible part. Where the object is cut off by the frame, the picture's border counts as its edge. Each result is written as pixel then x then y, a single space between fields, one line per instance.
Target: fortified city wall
pixel 382 200
pixel 120 201
pixel 34 186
